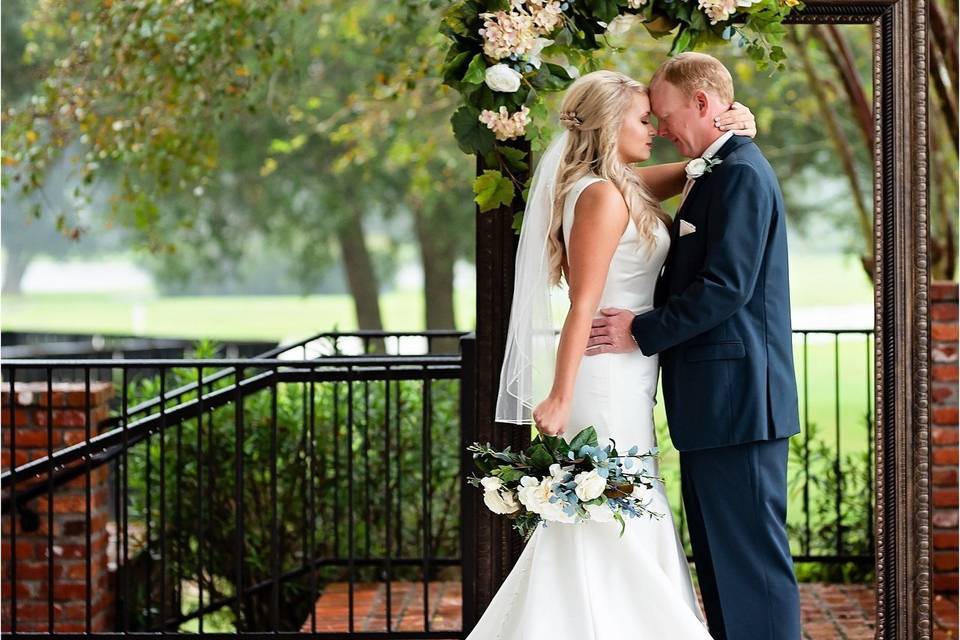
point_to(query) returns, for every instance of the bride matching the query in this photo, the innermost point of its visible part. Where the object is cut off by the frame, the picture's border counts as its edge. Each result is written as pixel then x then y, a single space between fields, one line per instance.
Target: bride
pixel 594 221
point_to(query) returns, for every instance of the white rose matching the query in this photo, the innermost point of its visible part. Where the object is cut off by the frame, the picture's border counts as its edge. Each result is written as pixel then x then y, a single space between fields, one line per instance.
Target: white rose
pixel 529 494
pixel 553 511
pixel 600 512
pixel 500 503
pixel 695 168
pixel 556 471
pixel 533 56
pixel 491 483
pixel 589 485
pixel 510 501
pixel 621 24
pixel 502 78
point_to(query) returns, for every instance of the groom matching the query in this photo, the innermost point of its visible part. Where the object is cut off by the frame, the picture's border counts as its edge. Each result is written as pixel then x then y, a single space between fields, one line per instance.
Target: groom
pixel 722 328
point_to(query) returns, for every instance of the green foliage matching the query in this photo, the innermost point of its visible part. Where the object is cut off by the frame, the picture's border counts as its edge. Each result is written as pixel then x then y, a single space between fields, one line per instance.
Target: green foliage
pixel 574 37
pixel 492 190
pixel 835 529
pixel 142 90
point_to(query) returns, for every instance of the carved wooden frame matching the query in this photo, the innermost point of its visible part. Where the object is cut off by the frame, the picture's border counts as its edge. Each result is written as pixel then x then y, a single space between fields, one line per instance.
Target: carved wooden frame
pixel 904 584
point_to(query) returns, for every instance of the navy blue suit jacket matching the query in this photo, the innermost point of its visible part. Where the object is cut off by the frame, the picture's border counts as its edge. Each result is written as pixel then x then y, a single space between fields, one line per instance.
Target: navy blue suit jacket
pixel 722 319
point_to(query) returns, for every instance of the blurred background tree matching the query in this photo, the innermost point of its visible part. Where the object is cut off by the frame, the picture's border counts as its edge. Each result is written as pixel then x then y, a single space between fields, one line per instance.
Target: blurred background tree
pixel 303 146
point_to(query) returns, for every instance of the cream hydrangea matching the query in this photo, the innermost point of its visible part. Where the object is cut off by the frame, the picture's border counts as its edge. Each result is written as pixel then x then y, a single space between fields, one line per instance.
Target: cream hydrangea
pixel 719 10
pixel 505 34
pixel 516 32
pixel 506 125
pixel 546 14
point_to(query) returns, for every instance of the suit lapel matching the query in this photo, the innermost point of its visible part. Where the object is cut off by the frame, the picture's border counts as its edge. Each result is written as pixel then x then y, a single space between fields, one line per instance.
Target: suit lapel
pixel 728 147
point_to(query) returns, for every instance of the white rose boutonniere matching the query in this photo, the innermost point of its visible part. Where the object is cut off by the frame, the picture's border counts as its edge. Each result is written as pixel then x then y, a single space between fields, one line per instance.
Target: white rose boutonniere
pixel 699 166
pixel 502 78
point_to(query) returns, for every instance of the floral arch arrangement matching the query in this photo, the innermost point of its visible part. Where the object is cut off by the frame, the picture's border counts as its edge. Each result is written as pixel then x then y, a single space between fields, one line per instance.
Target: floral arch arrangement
pixel 506 54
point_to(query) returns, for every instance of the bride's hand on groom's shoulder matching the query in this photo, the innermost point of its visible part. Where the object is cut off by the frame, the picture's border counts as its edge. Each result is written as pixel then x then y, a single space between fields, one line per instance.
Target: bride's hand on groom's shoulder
pixel 611 333
pixel 739 119
pixel 551 416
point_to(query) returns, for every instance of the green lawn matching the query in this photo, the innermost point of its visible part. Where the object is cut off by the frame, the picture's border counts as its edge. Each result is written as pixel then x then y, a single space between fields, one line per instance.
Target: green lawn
pixel 274 318
pixel 827 279
pixel 270 318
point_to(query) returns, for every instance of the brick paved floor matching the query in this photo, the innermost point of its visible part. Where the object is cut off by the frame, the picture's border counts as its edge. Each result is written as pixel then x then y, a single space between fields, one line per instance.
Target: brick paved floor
pixel 828 611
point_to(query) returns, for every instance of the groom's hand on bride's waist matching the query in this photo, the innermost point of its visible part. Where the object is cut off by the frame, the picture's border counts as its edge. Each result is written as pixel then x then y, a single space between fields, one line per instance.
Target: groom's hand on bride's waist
pixel 611 333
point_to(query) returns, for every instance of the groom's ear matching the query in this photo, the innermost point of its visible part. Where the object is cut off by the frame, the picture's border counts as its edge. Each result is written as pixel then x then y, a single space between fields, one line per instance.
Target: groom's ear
pixel 702 102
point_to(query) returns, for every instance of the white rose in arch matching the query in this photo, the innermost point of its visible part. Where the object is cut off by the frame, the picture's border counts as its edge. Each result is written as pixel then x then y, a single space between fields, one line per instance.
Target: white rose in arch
pixel 589 485
pixel 502 78
pixel 621 24
pixel 533 56
pixel 696 168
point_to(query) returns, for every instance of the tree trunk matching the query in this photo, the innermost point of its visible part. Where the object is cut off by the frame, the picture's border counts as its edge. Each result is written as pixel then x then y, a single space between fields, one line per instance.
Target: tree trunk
pixel 438 258
pixel 943 248
pixel 842 58
pixel 945 38
pixel 17 263
pixel 844 151
pixel 361 277
pixel 945 97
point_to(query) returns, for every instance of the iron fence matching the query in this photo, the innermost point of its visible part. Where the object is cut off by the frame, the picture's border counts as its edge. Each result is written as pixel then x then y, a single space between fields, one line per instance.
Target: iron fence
pixel 309 490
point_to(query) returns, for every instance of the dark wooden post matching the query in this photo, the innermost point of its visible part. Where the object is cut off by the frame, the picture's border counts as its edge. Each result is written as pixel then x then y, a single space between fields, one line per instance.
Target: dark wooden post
pixel 493 545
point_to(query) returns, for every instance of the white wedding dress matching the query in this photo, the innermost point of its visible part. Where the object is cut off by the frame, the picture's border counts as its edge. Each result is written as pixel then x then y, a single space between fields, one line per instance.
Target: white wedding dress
pixel 583 581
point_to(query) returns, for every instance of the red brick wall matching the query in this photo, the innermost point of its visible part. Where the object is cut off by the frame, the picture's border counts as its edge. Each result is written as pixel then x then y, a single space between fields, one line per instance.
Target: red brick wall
pixel 943 356
pixel 69 552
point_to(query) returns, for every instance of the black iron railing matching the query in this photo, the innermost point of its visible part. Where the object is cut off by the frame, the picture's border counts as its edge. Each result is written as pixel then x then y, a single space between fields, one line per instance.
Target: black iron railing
pixel 241 490
pixel 830 471
pixel 251 486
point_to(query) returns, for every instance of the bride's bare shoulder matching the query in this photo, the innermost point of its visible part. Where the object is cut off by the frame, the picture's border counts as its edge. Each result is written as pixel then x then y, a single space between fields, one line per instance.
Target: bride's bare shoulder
pixel 601 200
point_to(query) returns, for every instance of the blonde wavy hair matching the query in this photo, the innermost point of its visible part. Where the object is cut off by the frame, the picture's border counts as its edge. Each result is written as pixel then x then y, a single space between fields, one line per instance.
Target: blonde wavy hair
pixel 592 111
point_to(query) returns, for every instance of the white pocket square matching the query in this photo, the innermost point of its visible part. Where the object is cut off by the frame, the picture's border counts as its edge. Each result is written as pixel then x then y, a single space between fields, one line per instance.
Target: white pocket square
pixel 686 228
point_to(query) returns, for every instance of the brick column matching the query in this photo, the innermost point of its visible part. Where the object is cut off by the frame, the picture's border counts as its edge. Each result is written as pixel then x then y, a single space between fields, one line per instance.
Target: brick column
pixel 69 553
pixel 943 367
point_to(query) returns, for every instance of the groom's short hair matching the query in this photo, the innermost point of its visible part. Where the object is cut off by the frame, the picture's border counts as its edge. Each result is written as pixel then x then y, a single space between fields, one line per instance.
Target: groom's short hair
pixel 691 72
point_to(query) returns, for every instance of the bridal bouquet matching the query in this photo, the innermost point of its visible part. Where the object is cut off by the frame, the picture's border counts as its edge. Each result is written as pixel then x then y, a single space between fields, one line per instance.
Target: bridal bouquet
pixel 553 481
